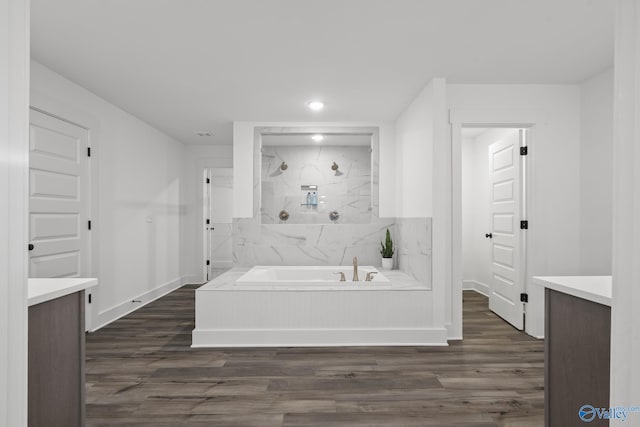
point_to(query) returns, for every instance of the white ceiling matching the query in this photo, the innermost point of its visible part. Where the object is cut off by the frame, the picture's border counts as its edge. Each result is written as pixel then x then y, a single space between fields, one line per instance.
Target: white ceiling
pixel 197 65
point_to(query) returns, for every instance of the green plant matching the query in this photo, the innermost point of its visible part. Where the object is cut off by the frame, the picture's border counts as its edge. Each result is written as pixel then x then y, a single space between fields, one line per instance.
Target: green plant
pixel 387 247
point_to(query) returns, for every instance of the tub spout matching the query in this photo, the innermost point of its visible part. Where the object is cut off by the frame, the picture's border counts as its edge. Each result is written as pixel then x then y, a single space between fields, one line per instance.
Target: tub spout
pixel 355 269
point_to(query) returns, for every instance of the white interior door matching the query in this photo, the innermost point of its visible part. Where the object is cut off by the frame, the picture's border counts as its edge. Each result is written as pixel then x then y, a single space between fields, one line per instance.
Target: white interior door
pixel 58 199
pixel 506 283
pixel 218 213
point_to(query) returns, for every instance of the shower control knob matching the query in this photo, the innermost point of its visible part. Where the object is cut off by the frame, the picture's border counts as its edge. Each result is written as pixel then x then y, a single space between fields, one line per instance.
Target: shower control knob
pixel 489 235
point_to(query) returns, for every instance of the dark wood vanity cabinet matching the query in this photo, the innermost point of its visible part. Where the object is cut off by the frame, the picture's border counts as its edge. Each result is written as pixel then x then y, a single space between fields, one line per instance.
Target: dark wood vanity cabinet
pixel 577 358
pixel 56 362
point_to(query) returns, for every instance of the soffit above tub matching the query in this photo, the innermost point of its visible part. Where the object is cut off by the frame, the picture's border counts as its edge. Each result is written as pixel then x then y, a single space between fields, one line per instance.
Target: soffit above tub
pixel 305 140
pixel 201 64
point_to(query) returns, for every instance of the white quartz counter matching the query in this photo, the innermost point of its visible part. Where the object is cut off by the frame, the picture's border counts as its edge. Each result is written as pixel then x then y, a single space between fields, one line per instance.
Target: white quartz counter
pixel 592 288
pixel 42 290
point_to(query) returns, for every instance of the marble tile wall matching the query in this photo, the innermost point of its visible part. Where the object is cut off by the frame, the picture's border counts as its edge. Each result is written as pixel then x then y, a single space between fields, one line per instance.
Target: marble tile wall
pixel 334 244
pixel 307 244
pixel 347 190
pixel 258 243
pixel 413 256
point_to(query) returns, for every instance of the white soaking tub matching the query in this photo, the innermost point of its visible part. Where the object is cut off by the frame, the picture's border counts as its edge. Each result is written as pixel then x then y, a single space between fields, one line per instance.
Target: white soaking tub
pixel 286 306
pixel 304 277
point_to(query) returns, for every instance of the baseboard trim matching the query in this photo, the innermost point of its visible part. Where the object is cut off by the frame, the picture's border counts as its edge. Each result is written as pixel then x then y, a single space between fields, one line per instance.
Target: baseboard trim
pixel 318 337
pixel 193 280
pixel 474 285
pixel 116 312
pixel 221 264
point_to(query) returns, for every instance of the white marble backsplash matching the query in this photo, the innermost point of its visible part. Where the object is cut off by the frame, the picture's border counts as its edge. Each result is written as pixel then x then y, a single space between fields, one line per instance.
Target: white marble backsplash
pixel 346 190
pixel 307 244
pixel 334 244
pixel 414 247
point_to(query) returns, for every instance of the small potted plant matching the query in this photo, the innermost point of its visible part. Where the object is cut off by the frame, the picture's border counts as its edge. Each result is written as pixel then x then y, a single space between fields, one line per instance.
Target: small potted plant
pixel 387 252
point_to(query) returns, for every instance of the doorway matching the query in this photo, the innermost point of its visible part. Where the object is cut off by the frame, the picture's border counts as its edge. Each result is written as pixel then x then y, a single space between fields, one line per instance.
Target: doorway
pixel 494 224
pixel 217 215
pixel 59 200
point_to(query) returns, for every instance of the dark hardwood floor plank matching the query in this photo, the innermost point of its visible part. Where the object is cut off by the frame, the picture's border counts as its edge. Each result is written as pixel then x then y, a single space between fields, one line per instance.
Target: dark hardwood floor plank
pixel 141 371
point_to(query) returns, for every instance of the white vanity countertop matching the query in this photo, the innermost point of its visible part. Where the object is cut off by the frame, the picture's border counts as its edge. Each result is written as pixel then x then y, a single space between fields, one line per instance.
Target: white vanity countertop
pixel 42 290
pixel 591 288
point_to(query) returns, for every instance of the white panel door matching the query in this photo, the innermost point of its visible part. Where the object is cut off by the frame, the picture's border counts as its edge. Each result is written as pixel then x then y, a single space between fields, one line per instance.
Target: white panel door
pixel 58 198
pixel 506 282
pixel 219 213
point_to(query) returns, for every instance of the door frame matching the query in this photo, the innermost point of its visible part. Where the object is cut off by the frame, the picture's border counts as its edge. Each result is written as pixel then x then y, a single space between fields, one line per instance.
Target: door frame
pixel 206 235
pixel 207 174
pixel 486 118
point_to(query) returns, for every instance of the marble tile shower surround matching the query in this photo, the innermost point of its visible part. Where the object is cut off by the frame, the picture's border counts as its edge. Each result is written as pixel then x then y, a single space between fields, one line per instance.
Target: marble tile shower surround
pixel 413 253
pixel 347 190
pixel 374 156
pixel 255 243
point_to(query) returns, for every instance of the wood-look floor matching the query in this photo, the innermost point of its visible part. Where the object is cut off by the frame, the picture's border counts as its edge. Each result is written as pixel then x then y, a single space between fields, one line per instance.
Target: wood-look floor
pixel 142 371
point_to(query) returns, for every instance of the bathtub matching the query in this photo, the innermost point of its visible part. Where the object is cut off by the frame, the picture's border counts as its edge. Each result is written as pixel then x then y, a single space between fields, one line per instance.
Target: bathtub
pixel 291 306
pixel 297 277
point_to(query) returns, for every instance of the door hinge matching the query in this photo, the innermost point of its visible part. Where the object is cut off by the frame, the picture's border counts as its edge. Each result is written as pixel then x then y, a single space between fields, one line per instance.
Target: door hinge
pixel 524 297
pixel 524 151
pixel 89 224
pixel 89 298
pixel 208 222
pixel 208 181
pixel 88 151
pixel 208 262
pixel 524 225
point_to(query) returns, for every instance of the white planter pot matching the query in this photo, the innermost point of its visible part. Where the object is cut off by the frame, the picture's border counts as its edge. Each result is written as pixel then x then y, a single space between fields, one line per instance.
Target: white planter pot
pixel 387 263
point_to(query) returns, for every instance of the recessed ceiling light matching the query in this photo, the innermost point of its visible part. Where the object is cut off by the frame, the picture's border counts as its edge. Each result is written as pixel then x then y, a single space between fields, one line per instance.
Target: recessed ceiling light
pixel 315 105
pixel 203 133
pixel 317 137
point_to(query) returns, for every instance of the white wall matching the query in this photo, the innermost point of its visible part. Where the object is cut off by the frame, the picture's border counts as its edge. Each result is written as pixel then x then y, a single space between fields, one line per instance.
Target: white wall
pixel 136 182
pixel 476 208
pixel 196 158
pixel 414 157
pixel 596 150
pixel 14 169
pixel 468 200
pixel 554 198
pixel 243 180
pixel 423 184
pixel 625 316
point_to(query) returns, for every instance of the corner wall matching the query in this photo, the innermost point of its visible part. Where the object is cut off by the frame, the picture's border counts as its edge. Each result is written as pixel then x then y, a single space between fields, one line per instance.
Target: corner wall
pixel 14 189
pixel 136 181
pixel 625 316
pixel 596 174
